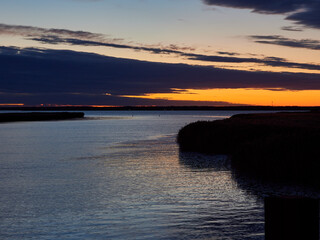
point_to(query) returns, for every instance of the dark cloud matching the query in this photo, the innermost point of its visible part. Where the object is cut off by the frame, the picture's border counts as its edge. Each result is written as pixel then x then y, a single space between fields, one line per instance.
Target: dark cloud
pixel 228 53
pixel 262 6
pixel 86 99
pixel 30 31
pixel 65 36
pixel 73 41
pixel 212 58
pixel 269 61
pixel 292 29
pixel 309 17
pixel 282 41
pixel 56 76
pixel 81 38
pixel 303 12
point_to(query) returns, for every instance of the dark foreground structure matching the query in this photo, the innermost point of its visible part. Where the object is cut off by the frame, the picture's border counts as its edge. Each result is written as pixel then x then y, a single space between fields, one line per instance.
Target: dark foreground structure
pixel 39 116
pixel 282 148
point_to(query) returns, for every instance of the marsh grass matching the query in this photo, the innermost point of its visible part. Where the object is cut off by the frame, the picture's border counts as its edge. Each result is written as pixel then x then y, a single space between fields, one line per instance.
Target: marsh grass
pixel 275 146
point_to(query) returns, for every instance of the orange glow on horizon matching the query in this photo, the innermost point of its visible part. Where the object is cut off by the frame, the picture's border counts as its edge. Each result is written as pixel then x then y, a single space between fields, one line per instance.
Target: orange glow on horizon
pixel 102 106
pixel 262 97
pixel 11 104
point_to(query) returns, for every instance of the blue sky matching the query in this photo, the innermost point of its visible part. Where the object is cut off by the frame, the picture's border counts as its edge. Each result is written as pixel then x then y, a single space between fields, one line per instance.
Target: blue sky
pixel 242 39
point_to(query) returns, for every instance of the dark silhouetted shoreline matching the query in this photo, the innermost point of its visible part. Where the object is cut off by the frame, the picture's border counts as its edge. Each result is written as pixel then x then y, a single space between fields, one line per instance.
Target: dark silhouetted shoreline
pixel 274 146
pixel 39 116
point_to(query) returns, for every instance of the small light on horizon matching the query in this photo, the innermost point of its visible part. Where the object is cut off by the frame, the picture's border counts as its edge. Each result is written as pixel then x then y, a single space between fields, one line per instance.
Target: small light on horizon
pixel 108 94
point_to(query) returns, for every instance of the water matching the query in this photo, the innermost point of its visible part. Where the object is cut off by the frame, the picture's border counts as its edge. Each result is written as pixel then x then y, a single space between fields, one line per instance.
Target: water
pixel 119 175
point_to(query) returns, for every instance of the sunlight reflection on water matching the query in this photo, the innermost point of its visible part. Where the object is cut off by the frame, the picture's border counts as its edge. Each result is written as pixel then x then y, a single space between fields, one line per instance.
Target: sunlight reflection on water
pixel 118 178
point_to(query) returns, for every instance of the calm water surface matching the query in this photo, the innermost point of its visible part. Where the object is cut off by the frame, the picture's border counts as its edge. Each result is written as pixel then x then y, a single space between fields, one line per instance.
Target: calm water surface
pixel 118 175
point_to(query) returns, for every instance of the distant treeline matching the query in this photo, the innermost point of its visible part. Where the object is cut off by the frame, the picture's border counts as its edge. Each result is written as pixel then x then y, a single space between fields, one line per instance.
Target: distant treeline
pixel 165 108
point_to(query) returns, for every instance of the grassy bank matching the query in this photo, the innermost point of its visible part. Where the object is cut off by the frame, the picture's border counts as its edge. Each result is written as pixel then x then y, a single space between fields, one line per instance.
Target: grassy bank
pixel 39 116
pixel 281 146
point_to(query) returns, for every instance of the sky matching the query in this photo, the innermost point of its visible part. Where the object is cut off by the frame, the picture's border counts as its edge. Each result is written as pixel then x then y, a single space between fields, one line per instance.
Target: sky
pixel 160 52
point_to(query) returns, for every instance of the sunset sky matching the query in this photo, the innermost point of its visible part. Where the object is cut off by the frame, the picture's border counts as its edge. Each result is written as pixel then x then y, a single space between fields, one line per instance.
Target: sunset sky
pixel 160 52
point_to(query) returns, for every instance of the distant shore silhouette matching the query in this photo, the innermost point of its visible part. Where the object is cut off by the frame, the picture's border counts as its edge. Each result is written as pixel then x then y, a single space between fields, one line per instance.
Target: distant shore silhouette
pixel 161 108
